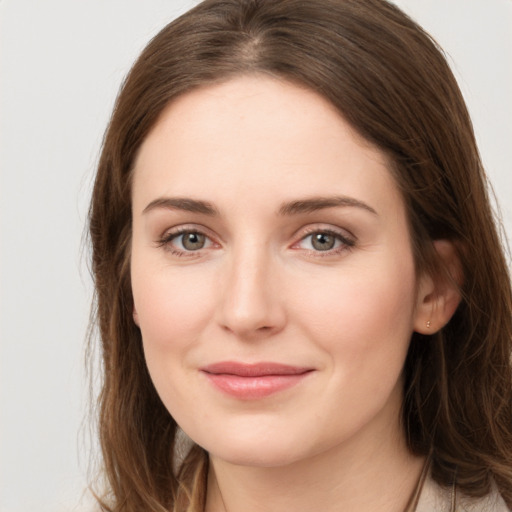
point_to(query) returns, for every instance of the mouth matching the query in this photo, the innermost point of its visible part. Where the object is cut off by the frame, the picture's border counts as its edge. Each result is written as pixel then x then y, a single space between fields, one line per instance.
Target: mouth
pixel 253 381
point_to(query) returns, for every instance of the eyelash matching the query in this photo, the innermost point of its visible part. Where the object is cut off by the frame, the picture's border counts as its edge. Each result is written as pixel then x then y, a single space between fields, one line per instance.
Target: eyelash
pixel 347 243
pixel 167 238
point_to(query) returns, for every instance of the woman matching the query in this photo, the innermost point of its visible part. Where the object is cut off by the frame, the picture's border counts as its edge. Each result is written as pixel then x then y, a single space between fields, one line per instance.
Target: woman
pixel 302 297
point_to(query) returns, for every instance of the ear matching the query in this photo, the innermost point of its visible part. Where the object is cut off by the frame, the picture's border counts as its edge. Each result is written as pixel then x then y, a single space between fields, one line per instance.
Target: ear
pixel 439 295
pixel 135 317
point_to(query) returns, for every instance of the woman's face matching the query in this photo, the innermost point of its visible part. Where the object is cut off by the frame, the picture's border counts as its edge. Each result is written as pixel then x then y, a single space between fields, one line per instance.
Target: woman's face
pixel 272 273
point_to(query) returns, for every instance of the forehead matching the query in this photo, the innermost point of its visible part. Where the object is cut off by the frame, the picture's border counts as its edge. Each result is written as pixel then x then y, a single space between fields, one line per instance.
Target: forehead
pixel 256 133
pixel 256 104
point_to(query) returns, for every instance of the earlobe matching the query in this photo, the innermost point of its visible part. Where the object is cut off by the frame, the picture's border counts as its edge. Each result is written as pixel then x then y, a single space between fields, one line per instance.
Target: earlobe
pixel 135 317
pixel 439 295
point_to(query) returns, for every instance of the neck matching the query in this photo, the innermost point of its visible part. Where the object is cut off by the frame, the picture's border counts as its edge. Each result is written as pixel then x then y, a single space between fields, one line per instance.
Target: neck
pixel 358 476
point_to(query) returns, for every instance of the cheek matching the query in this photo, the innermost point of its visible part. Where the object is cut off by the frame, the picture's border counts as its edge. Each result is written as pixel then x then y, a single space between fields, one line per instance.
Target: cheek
pixel 362 317
pixel 172 307
pixel 173 310
pixel 362 322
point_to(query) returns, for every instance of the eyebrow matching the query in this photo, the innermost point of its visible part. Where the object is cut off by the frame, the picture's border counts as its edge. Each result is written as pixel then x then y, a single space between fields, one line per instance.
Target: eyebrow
pixel 308 205
pixel 184 204
pixel 314 204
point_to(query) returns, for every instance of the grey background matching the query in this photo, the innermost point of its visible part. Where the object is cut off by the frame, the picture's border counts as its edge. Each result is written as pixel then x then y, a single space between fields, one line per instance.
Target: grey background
pixel 61 63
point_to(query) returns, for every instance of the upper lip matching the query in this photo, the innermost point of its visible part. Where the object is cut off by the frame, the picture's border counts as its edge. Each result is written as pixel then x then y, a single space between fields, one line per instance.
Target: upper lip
pixel 253 369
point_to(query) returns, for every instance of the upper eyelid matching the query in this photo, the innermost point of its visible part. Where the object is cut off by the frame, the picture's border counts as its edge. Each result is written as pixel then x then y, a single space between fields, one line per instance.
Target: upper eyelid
pixel 188 228
pixel 324 228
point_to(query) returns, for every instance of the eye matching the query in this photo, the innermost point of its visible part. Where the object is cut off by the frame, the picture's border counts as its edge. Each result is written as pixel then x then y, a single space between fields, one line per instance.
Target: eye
pixel 325 241
pixel 185 241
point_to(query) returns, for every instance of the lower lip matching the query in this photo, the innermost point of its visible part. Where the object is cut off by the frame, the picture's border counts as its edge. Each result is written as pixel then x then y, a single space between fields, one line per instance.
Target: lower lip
pixel 253 388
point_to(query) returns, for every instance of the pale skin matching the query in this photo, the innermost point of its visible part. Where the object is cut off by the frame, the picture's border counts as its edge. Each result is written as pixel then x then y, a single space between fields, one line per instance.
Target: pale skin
pixel 266 230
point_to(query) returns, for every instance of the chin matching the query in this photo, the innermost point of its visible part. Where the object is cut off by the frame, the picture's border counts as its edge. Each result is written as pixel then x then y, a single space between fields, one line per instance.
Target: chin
pixel 258 457
pixel 263 450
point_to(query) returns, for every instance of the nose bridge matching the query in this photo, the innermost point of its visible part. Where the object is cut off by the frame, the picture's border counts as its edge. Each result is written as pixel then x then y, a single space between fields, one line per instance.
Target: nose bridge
pixel 250 303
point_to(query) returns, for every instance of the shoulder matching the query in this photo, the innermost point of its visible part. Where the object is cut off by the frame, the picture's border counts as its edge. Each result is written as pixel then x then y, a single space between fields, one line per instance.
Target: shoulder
pixel 435 498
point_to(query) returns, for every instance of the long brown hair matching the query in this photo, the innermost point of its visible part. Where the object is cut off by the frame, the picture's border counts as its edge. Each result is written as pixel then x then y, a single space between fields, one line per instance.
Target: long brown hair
pixel 391 82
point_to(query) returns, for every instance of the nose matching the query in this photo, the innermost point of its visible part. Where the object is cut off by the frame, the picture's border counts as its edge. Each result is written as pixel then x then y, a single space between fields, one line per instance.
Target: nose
pixel 252 305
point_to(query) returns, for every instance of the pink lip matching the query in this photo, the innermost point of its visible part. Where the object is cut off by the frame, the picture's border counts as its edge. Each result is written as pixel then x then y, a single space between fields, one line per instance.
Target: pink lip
pixel 253 381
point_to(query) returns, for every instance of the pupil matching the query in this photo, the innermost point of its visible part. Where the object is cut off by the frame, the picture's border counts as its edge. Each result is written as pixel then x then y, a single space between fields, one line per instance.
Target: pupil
pixel 323 241
pixel 193 241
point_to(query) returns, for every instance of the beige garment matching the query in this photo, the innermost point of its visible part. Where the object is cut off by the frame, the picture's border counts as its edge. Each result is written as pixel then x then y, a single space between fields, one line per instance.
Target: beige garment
pixel 434 498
